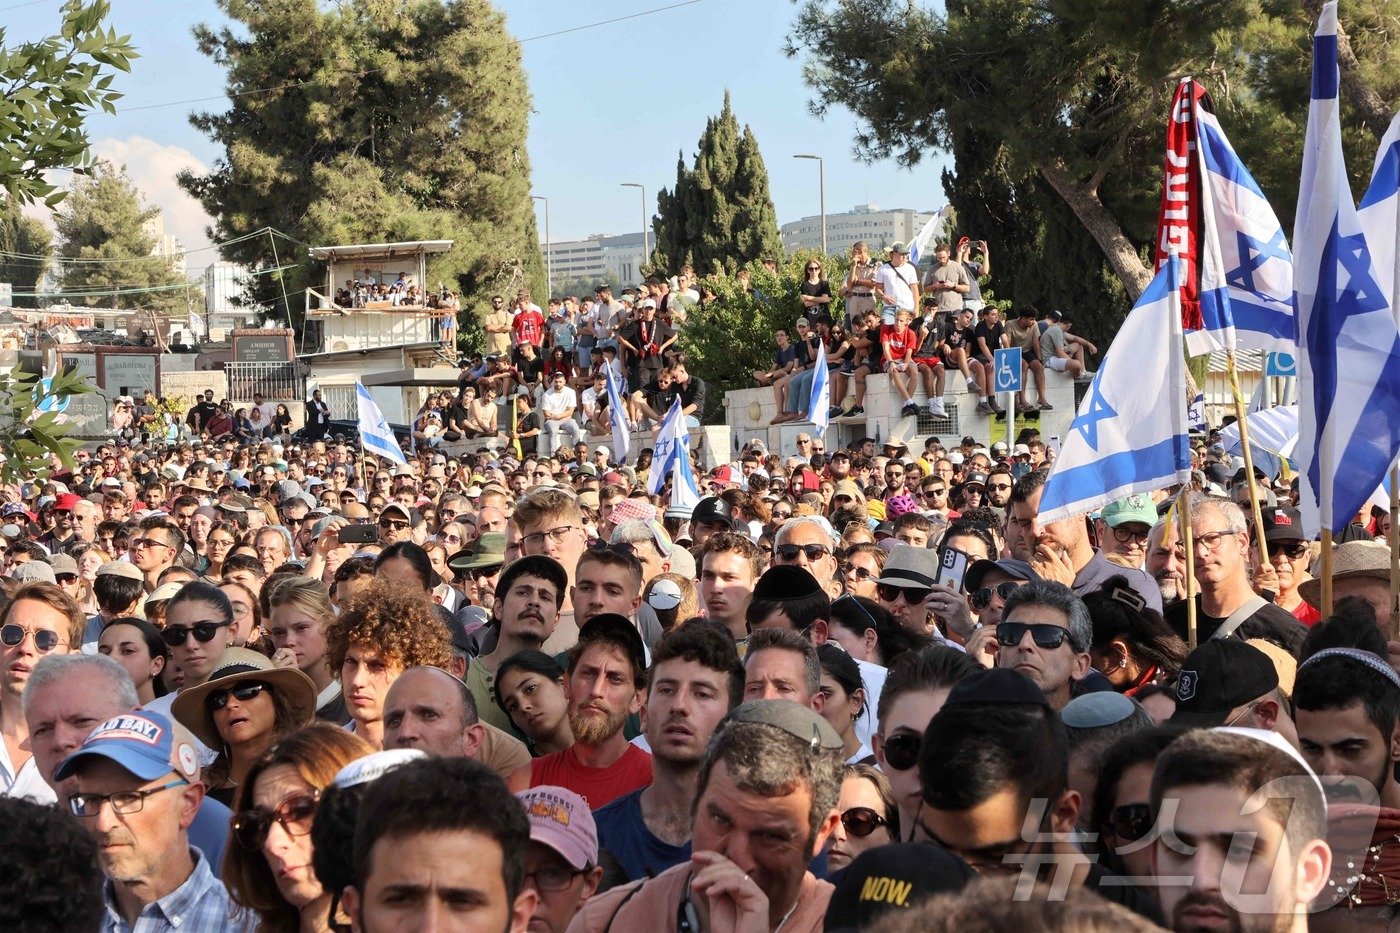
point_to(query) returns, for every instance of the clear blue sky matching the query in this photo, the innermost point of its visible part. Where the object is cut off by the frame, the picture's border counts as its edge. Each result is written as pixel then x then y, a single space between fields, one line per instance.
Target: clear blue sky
pixel 611 104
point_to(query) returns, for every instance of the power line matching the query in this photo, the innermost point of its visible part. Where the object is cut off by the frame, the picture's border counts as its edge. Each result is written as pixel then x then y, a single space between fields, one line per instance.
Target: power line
pixel 363 74
pixel 16 6
pixel 73 260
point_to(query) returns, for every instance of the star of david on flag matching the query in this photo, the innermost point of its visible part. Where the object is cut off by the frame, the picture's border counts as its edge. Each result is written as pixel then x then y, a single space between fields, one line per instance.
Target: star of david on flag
pixel 1130 432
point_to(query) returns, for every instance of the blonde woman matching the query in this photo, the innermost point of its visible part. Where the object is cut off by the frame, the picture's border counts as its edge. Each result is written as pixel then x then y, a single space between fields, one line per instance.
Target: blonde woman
pixel 300 612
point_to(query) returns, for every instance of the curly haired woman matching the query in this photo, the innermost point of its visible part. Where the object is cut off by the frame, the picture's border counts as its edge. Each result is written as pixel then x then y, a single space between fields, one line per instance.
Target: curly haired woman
pixel 382 632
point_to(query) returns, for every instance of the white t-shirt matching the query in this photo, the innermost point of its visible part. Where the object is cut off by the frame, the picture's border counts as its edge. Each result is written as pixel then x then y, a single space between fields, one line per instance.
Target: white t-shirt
pixel 897 284
pixel 559 402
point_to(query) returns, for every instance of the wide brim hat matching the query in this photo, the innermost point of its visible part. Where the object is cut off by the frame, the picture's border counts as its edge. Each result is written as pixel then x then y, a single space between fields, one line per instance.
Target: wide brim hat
pixel 1352 559
pixel 240 665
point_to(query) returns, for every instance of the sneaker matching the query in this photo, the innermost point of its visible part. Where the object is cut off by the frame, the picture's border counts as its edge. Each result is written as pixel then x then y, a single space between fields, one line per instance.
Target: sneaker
pixel 937 409
pixel 1085 376
pixel 983 408
pixel 992 403
pixel 910 410
pixel 856 411
pixel 973 387
pixel 833 412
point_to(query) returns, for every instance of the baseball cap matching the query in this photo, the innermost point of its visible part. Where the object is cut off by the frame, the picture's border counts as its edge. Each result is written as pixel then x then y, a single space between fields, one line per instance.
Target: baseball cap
pixel 66 501
pixel 1283 523
pixel 1218 676
pixel 33 571
pixel 919 869
pixel 1132 509
pixel 62 563
pixel 560 819
pixel 1016 569
pixel 976 479
pixel 899 247
pixel 712 509
pixel 145 743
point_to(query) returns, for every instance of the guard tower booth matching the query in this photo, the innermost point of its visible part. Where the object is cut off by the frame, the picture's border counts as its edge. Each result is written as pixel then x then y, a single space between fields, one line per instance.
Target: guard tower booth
pixel 352 331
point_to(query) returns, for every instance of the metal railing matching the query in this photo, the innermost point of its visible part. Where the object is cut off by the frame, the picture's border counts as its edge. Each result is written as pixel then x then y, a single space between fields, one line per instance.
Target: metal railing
pixel 276 382
pixel 341 401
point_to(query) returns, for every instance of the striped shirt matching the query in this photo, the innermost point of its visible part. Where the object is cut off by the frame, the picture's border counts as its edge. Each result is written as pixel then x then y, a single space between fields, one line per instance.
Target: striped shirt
pixel 200 905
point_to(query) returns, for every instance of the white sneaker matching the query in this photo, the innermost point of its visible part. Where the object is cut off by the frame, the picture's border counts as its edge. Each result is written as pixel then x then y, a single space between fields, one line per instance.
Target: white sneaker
pixel 936 408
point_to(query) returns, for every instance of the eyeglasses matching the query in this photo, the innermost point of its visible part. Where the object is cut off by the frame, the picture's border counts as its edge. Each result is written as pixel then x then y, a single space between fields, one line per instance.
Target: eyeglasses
pixel 46 640
pixel 1294 549
pixel 204 632
pixel 218 699
pixel 1211 539
pixel 862 821
pixel 902 750
pixel 294 815
pixel 392 525
pixel 1125 534
pixel 127 801
pixel 982 598
pixel 137 543
pixel 913 595
pixel 554 534
pixel 1046 635
pixel 552 879
pixel 861 573
pixel 1131 822
pixel 788 552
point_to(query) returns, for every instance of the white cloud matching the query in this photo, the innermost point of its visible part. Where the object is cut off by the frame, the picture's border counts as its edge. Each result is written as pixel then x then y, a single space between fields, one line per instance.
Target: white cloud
pixel 152 167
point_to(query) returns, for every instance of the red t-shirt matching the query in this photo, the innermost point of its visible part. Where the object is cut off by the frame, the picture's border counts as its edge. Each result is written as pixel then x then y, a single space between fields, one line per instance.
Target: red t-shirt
pixel 901 345
pixel 598 786
pixel 1306 613
pixel 528 326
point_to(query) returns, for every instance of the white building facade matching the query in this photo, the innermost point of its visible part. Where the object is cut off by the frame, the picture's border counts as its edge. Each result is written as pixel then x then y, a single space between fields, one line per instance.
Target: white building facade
pixel 865 222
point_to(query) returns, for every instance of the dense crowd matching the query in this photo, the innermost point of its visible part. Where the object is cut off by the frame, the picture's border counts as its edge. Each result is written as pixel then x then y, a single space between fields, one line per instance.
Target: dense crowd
pixel 266 686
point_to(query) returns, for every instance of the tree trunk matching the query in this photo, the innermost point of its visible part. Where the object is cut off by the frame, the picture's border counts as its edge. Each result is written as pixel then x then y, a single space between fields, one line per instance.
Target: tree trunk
pixel 1375 114
pixel 1102 226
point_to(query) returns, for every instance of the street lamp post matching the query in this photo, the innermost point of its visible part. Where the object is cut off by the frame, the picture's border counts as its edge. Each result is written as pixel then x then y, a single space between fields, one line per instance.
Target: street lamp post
pixel 821 185
pixel 548 247
pixel 646 242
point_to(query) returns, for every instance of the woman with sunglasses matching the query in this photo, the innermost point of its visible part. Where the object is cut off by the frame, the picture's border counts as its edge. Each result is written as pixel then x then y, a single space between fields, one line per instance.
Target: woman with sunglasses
pixel 1133 646
pixel 268 867
pixel 530 688
pixel 241 711
pixel 861 567
pixel 136 645
pixel 843 690
pixel 1121 812
pixel 869 817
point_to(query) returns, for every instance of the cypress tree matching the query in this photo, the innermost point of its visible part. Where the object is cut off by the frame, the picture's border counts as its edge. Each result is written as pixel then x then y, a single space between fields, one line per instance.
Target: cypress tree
pixel 720 215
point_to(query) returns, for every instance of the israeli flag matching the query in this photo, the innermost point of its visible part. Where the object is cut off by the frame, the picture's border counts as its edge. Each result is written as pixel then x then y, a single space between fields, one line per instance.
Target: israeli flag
pixel 1349 367
pixel 376 437
pixel 621 436
pixel 819 402
pixel 1130 433
pixel 1379 214
pixel 672 440
pixel 1196 419
pixel 918 247
pixel 1246 283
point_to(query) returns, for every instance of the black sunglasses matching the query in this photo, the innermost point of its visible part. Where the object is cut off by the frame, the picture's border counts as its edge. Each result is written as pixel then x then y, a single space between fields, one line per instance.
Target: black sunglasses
pixel 1050 637
pixel 788 552
pixel 203 632
pixel 862 573
pixel 862 821
pixel 1294 549
pixel 391 524
pixel 1131 822
pixel 983 597
pixel 218 699
pixel 913 595
pixel 902 750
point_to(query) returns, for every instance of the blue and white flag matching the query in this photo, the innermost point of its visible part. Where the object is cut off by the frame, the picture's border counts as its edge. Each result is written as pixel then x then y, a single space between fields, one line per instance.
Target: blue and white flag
pixel 1349 364
pixel 621 435
pixel 1196 419
pixel 819 402
pixel 672 440
pixel 1246 284
pixel 1379 214
pixel 918 247
pixel 1130 434
pixel 376 437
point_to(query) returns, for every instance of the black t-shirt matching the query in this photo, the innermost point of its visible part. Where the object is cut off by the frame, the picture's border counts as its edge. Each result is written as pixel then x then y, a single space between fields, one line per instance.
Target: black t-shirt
pixel 874 355
pixel 660 400
pixel 816 290
pixel 1270 622
pixel 807 352
pixel 526 423
pixel 458 413
pixel 657 333
pixel 692 393
pixel 202 412
pixel 991 334
pixel 958 337
pixel 530 369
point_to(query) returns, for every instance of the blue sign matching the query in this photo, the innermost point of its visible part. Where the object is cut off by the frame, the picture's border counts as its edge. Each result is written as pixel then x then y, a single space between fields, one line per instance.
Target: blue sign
pixel 1281 364
pixel 1007 370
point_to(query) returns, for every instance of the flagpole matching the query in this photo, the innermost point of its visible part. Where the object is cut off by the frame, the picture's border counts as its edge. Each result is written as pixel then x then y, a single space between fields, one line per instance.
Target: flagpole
pixel 1248 457
pixel 1189 549
pixel 1326 606
pixel 1392 537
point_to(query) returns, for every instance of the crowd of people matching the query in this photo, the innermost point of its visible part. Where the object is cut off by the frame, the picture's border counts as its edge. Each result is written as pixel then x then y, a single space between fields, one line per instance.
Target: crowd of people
pixel 266 686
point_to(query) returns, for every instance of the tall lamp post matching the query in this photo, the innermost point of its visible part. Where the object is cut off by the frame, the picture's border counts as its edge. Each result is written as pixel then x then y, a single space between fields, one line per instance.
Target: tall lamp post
pixel 548 248
pixel 646 242
pixel 821 185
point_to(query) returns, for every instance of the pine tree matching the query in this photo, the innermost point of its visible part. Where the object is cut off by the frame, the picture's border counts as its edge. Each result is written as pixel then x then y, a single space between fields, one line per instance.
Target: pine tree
pixel 402 121
pixel 103 219
pixel 719 216
pixel 21 238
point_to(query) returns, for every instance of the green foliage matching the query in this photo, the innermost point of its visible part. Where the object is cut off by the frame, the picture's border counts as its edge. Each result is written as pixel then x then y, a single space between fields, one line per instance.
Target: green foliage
pixel 394 121
pixel 102 219
pixel 22 237
pixel 47 89
pixel 32 443
pixel 720 215
pixel 731 338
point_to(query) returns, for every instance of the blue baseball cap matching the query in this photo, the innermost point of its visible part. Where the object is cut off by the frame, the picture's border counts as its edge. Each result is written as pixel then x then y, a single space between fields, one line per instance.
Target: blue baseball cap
pixel 147 744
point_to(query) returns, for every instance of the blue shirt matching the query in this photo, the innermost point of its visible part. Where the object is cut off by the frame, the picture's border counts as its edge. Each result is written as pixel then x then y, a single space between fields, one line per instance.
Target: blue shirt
pixel 209 832
pixel 200 905
pixel 623 832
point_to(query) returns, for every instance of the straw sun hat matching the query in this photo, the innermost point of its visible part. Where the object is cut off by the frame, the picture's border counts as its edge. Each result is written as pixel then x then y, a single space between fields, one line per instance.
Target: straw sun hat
pixel 243 665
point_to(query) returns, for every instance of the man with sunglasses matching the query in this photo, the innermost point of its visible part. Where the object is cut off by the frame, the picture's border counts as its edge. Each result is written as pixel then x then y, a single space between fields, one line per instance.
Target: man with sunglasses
pixel 1044 634
pixel 136 789
pixel 1290 555
pixel 807 542
pixel 905 584
pixel 990 582
pixel 398 523
pixel 40 620
pixel 155 546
